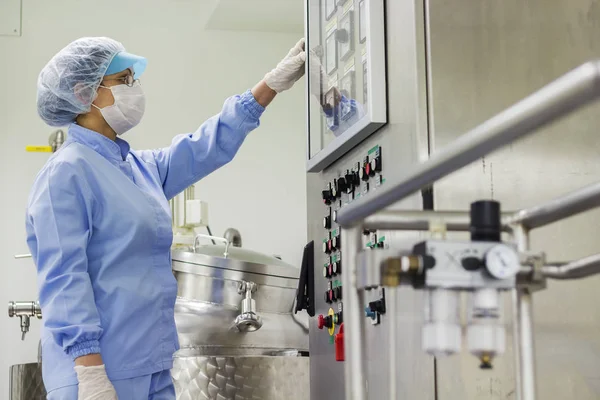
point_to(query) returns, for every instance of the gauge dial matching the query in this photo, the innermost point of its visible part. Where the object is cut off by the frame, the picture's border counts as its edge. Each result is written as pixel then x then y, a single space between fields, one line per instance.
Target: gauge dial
pixel 502 262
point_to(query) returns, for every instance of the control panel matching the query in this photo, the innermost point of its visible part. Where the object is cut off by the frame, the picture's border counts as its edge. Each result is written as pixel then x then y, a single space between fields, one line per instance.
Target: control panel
pixel 346 64
pixel 353 181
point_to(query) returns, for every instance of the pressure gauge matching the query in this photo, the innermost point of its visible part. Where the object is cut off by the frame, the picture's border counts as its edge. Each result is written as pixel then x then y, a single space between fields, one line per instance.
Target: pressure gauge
pixel 502 262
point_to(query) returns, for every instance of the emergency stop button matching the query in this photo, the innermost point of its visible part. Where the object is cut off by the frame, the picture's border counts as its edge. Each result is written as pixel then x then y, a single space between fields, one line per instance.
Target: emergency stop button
pixel 320 321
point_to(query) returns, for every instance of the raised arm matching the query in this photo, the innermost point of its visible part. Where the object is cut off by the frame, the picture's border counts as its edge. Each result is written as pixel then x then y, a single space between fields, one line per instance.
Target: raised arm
pixel 193 156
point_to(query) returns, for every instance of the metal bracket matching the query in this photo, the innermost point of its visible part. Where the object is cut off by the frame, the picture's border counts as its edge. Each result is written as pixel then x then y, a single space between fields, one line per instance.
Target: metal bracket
pixel 531 276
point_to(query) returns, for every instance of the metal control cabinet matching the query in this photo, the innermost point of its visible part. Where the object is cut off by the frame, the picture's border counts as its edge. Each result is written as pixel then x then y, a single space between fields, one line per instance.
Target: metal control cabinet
pixel 451 65
pixel 401 143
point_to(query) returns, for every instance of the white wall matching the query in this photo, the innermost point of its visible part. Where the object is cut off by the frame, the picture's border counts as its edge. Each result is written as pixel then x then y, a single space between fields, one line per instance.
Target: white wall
pixel 191 71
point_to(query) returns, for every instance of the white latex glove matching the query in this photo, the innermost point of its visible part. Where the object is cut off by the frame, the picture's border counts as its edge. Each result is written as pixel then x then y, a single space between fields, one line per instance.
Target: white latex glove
pixel 94 384
pixel 289 70
pixel 319 82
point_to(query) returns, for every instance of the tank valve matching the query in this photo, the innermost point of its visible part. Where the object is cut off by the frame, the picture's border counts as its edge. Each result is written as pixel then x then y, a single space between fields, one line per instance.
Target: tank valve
pixel 24 310
pixel 248 320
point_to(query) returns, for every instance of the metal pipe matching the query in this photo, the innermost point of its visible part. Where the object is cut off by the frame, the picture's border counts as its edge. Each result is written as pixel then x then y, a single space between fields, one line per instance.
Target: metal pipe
pixel 392 316
pixel 566 206
pixel 577 269
pixel 517 344
pixel 555 100
pixel 19 256
pixel 410 220
pixel 354 365
pixel 523 330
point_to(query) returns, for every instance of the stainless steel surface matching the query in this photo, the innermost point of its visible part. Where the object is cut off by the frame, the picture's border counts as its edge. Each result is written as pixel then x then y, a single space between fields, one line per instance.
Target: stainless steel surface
pixel 354 333
pixel 485 56
pixel 233 236
pixel 578 269
pixel 408 220
pixel 241 378
pixel 403 143
pixel 213 314
pixel 568 93
pixel 239 260
pixel 26 382
pixel 24 310
pixel 576 202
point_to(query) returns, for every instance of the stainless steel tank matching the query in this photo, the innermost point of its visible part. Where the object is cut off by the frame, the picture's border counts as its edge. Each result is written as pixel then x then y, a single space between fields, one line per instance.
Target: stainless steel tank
pixel 238 336
pixel 26 382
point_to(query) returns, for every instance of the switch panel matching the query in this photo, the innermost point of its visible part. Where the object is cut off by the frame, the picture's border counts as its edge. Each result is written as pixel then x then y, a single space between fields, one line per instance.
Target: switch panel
pixel 356 179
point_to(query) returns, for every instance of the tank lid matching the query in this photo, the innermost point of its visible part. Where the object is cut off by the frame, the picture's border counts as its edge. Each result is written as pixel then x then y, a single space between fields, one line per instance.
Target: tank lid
pixel 238 259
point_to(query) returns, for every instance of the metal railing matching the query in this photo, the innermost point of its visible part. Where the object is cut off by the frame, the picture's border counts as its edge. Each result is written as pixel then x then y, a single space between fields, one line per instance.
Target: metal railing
pixel 570 92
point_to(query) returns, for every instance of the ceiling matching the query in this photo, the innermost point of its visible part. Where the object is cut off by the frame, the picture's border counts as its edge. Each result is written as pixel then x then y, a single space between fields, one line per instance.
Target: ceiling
pixel 284 16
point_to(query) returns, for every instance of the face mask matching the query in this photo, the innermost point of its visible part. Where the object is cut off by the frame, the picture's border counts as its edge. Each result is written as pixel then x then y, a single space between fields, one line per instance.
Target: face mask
pixel 128 109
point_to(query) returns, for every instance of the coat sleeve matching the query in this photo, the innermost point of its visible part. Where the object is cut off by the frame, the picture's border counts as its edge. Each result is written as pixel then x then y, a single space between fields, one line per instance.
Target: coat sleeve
pixel 193 156
pixel 59 226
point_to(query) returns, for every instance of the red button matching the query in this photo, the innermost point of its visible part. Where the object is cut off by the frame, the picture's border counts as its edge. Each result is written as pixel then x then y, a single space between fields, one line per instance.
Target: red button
pixel 338 340
pixel 320 321
pixel 368 169
pixel 329 244
pixel 330 269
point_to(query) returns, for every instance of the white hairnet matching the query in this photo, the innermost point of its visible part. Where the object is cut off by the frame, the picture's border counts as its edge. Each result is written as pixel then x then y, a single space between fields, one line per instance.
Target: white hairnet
pixel 67 85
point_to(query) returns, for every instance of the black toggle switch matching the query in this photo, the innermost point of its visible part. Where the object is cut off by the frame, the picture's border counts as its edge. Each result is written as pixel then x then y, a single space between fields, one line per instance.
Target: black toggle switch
pixel 471 263
pixel 363 174
pixel 349 180
pixel 376 164
pixel 326 196
pixel 378 305
pixel 342 185
pixel 327 300
pixel 338 292
pixel 335 268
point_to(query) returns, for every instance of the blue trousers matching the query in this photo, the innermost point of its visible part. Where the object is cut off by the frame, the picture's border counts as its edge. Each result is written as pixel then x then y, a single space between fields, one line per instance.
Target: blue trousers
pixel 158 386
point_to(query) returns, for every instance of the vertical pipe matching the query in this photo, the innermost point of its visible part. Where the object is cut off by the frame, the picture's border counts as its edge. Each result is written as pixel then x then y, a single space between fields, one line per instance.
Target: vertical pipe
pixel 392 320
pixel 173 216
pixel 354 365
pixel 517 344
pixel 185 199
pixel 524 320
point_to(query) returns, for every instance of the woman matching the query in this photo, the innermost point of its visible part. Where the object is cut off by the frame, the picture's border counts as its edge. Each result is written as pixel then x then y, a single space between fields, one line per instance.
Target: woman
pixel 99 223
